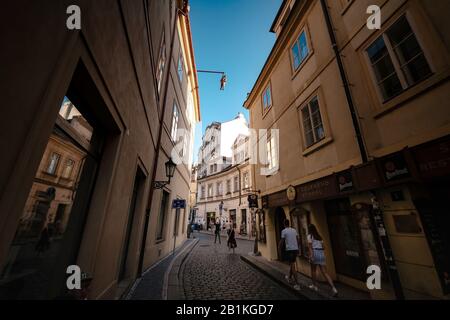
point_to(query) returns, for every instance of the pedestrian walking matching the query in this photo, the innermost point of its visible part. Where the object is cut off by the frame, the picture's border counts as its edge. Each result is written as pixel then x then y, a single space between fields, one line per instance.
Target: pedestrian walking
pixel 231 243
pixel 290 242
pixel 43 243
pixel 317 259
pixel 217 232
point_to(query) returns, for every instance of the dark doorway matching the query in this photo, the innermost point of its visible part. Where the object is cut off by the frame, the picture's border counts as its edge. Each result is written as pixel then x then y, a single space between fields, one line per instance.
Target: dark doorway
pixel 139 181
pixel 434 212
pixel 280 217
pixel 345 239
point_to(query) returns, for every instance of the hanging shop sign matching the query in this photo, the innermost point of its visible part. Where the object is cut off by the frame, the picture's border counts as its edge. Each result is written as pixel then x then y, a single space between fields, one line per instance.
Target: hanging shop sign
pixel 265 202
pixel 345 181
pixel 394 168
pixel 252 201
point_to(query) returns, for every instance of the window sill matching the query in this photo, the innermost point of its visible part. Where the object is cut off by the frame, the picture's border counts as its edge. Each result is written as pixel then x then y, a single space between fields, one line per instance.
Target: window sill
pixel 50 174
pixel 302 65
pixel 411 92
pixel 317 146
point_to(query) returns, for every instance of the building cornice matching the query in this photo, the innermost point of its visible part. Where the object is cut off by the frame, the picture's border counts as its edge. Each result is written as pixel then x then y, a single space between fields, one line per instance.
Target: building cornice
pixel 188 47
pixel 224 172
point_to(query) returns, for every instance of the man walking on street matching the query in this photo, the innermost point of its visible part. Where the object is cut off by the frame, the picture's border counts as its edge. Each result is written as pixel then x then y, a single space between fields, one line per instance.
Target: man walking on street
pixel 290 242
pixel 217 232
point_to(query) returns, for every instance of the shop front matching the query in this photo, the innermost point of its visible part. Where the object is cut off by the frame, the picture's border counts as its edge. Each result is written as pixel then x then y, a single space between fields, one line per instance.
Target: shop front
pixel 391 212
pixel 340 207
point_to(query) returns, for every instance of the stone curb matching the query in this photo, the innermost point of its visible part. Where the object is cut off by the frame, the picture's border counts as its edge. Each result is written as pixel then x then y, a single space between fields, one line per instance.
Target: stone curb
pixel 175 290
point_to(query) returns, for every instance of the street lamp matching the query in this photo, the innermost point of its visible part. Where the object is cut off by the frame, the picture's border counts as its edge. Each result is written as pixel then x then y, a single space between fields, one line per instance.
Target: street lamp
pixel 170 170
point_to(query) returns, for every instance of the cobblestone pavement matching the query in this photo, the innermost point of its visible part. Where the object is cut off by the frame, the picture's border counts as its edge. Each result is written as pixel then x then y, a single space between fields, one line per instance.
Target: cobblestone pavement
pixel 212 272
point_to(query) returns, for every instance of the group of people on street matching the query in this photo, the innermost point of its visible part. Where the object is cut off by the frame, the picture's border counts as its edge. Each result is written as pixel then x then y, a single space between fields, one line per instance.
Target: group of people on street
pixel 231 241
pixel 290 243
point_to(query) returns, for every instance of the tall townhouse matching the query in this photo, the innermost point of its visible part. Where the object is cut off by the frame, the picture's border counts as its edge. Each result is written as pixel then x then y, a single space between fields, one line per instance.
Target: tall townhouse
pixel 89 118
pixel 399 80
pixel 357 141
pixel 222 193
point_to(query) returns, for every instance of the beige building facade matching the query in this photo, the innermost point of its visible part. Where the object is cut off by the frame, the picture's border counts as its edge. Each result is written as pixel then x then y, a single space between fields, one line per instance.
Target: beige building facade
pixel 130 74
pixel 363 140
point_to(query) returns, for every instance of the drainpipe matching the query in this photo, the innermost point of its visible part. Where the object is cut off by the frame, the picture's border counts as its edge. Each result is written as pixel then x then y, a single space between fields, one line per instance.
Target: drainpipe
pixel 240 191
pixel 158 145
pixel 348 95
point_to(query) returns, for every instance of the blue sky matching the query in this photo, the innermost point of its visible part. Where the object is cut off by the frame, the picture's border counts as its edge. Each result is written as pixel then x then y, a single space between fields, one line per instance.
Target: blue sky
pixel 231 36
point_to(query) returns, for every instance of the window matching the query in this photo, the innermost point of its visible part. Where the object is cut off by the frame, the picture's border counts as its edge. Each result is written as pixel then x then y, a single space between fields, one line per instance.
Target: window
pixel 162 216
pixel 211 169
pixel 53 163
pixel 397 59
pixel 210 190
pixel 312 123
pixel 246 180
pixel 173 133
pixel 215 167
pixel 228 186
pixel 202 195
pixel 219 191
pixel 161 62
pixel 180 67
pixel 68 168
pixel 236 184
pixel 300 50
pixel 267 98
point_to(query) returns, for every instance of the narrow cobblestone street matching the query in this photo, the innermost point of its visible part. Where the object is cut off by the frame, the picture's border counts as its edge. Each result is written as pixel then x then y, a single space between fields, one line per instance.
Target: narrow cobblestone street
pixel 213 272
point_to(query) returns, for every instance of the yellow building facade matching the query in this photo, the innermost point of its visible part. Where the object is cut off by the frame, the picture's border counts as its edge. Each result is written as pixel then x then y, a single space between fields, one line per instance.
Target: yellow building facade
pixel 363 148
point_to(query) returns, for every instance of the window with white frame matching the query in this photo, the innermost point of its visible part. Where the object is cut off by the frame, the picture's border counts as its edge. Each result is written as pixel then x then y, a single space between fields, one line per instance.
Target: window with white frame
pixel 202 195
pixel 397 59
pixel 180 67
pixel 246 180
pixel 228 186
pixel 161 62
pixel 312 122
pixel 53 163
pixel 236 184
pixel 68 168
pixel 300 50
pixel 175 117
pixel 267 98
pixel 219 190
pixel 210 190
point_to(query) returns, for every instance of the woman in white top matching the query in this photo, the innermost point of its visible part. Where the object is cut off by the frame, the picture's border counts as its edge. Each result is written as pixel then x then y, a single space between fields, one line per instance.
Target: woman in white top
pixel 317 258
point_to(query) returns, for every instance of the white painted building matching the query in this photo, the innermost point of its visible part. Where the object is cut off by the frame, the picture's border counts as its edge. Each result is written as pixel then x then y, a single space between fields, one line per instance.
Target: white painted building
pixel 224 177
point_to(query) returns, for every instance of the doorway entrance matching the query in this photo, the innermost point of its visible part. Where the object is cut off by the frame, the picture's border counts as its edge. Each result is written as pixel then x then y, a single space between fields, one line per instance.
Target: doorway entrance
pixel 280 217
pixel 139 181
pixel 435 216
pixel 210 220
pixel 345 236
